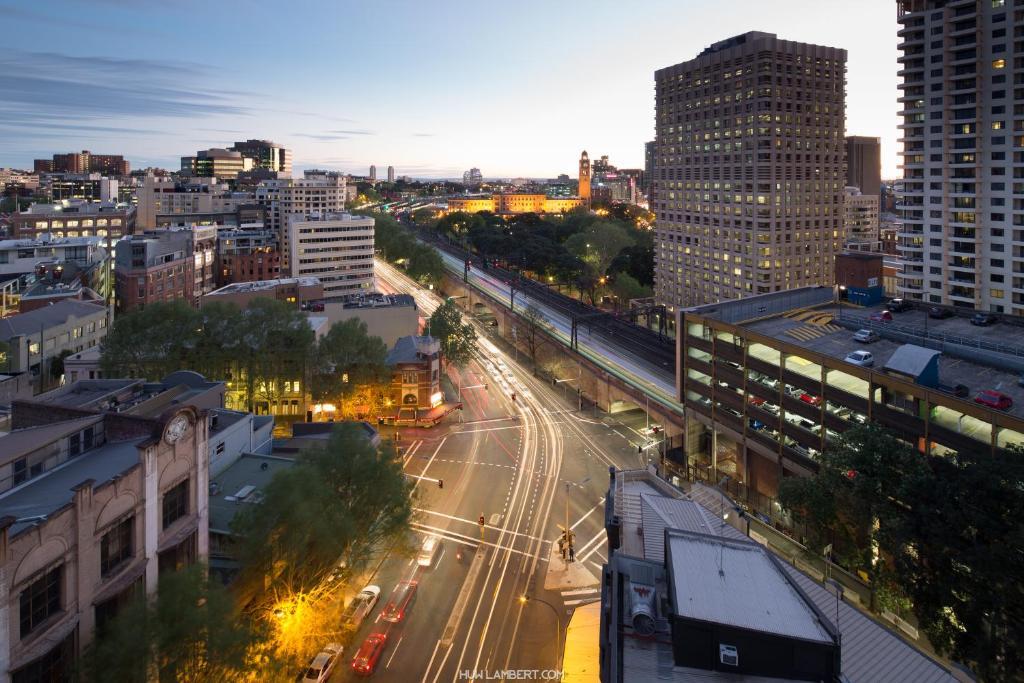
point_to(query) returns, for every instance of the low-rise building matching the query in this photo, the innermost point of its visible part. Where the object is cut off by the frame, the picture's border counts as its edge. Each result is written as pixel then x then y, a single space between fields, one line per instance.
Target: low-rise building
pixel 90 187
pixel 165 265
pixel 84 162
pixel 416 396
pixel 388 316
pixel 37 339
pixel 216 162
pixel 514 203
pixel 75 219
pixel 301 291
pixel 247 253
pixel 766 384
pixel 94 507
pixel 861 223
pixel 336 248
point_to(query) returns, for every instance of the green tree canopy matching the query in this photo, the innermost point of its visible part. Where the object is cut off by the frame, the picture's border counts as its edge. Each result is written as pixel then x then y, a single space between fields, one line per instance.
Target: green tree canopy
pixel 347 357
pixel 150 343
pixel 626 287
pixel 343 501
pixel 598 244
pixel 457 339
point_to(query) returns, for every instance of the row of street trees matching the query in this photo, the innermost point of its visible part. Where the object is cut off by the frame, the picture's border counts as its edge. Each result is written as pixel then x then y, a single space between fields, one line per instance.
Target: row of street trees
pixel 258 350
pixel 941 536
pixel 609 251
pixel 396 244
pixel 319 526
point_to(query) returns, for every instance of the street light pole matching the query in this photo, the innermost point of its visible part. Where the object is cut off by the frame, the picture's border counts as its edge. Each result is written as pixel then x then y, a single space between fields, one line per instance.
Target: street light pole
pixel 558 623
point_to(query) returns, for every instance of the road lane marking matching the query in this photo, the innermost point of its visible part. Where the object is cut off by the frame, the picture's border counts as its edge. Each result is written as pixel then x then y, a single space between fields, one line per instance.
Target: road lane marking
pixel 427 466
pixel 431 662
pixel 472 522
pixel 580 520
pixel 394 652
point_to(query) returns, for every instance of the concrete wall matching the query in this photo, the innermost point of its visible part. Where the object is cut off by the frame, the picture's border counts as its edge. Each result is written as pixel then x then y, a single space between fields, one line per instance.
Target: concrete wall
pixel 387 322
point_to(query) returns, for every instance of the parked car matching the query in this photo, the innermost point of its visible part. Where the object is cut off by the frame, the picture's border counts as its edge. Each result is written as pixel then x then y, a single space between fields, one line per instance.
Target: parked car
pixel 811 399
pixel 365 661
pixel 361 606
pixel 958 390
pixel 400 602
pixel 994 399
pixel 881 317
pixel 984 319
pixel 939 313
pixel 865 336
pixel 898 305
pixel 861 358
pixel 323 664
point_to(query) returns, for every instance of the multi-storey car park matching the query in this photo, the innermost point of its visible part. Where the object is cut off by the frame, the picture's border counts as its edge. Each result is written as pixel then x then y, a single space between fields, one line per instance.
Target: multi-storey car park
pixel 766 384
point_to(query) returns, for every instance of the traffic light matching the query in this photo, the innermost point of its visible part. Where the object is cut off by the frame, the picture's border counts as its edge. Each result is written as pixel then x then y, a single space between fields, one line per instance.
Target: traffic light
pixel 440 483
pixel 481 521
pixel 513 397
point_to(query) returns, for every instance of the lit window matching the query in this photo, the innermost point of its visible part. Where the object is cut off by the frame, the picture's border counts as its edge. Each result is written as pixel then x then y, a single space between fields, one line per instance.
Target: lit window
pixel 996 293
pixel 998 63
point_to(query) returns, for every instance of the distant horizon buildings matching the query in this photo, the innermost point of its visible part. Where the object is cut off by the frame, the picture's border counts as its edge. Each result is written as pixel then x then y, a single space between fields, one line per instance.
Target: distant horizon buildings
pixel 391 174
pixel 373 173
pixel 749 170
pixel 472 177
pixel 83 162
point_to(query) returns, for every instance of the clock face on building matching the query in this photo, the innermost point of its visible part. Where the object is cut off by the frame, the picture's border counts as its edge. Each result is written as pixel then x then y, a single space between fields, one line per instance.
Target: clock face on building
pixel 176 429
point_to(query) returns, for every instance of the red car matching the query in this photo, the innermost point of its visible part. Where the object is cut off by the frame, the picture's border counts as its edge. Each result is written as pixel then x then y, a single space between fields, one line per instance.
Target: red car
pixel 881 317
pixel 400 601
pixel 994 399
pixel 365 661
pixel 811 398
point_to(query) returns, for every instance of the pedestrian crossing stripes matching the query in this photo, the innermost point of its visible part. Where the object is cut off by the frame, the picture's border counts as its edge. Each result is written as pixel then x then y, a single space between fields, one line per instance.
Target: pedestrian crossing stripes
pixel 809 332
pixel 581 596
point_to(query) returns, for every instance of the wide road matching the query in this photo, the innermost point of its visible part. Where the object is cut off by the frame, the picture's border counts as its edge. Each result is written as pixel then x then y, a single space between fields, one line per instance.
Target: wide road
pixel 517 463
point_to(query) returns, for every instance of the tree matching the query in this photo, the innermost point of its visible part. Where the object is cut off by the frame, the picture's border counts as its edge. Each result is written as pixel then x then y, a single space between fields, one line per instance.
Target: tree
pixel 598 244
pixel 533 327
pixel 151 342
pixel 457 339
pixel 341 502
pixel 276 345
pixel 626 287
pixel 425 264
pixel 348 359
pixel 190 631
pixel 958 554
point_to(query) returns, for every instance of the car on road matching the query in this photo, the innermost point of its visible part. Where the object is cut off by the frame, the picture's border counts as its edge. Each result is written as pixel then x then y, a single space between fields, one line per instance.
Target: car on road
pixel 984 319
pixel 323 664
pixel 861 358
pixel 881 317
pixel 898 305
pixel 939 313
pixel 865 336
pixel 400 602
pixel 365 661
pixel 361 606
pixel 428 551
pixel 994 399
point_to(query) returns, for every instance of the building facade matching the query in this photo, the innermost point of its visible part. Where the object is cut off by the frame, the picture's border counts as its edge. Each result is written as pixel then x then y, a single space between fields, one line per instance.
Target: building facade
pixel 391 174
pixel 96 507
pixel 91 187
pixel 166 200
pixel 749 170
pixel 165 265
pixel 373 173
pixel 247 253
pixel 861 226
pixel 267 155
pixel 36 339
pixel 961 231
pixel 509 203
pixel 864 164
pixel 415 378
pixel 84 162
pixel 298 291
pixel 584 179
pixel 316 192
pixel 645 186
pixel 335 248
pixel 223 164
pixel 75 219
pixel 388 316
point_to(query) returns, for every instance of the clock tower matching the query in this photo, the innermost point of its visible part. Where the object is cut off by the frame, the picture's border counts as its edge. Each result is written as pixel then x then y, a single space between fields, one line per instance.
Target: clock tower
pixel 585 178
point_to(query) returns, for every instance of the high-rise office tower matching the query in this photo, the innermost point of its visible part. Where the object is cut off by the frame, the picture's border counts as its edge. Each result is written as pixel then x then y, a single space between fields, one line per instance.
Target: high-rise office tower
pixel 391 174
pixel 959 104
pixel 317 192
pixel 585 178
pixel 748 171
pixel 373 173
pixel 864 164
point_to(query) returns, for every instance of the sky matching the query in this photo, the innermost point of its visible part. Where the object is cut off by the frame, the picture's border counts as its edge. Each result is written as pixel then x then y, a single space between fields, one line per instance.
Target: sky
pixel 432 88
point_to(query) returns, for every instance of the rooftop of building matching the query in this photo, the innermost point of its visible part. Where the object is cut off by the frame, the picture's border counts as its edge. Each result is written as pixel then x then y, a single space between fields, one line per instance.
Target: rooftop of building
pixel 46 239
pixel 377 300
pixel 870 651
pixel 326 216
pixel 410 349
pixel 242 484
pixel 133 396
pixel 77 207
pixel 265 285
pixel 47 316
pixel 39 498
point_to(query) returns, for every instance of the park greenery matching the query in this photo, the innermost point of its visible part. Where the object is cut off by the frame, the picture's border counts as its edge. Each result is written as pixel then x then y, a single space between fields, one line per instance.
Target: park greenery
pixel 939 536
pixel 319 525
pixel 398 246
pixel 260 352
pixel 605 253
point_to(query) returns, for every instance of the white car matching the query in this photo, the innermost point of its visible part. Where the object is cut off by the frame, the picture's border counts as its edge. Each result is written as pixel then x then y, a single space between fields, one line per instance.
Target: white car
pixel 323 664
pixel 861 358
pixel 865 336
pixel 428 551
pixel 361 606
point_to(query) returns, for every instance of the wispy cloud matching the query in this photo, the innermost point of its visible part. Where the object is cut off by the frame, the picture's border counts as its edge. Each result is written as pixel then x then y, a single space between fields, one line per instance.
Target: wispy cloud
pixel 321 137
pixel 47 91
pixel 352 132
pixel 423 135
pixel 20 13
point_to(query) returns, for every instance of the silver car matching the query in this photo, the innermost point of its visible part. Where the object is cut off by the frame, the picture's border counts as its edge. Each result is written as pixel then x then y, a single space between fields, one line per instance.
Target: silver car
pixel 865 336
pixel 861 358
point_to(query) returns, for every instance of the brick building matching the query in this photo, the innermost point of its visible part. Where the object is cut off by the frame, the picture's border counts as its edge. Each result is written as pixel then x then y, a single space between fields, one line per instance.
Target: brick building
pixel 83 162
pixel 164 265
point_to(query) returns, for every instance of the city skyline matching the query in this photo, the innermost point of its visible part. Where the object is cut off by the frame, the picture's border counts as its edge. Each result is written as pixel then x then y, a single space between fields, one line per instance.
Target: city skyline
pixel 397 93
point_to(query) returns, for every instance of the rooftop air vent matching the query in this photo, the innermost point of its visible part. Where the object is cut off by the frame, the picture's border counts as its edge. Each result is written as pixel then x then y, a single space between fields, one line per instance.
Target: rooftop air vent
pixel 642 595
pixel 728 654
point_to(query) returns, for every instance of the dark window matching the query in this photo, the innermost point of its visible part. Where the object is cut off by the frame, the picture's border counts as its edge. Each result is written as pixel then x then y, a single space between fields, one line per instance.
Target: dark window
pixel 87 439
pixel 40 600
pixel 178 557
pixel 54 666
pixel 116 545
pixel 176 503
pixel 20 471
pixel 76 444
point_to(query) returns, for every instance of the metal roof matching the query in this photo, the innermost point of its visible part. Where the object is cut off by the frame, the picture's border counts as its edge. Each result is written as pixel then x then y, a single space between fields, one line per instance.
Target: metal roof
pixel 47 317
pixel 911 360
